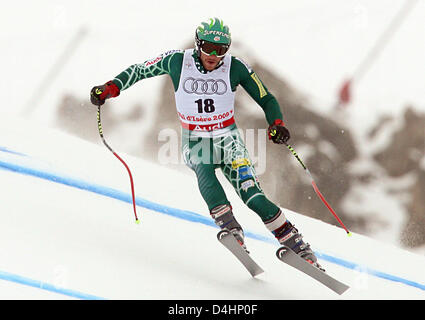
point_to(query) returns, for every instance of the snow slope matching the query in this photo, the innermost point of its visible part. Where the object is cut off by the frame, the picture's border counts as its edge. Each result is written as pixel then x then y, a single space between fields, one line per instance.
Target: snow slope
pixel 82 238
pixel 313 45
pixel 68 232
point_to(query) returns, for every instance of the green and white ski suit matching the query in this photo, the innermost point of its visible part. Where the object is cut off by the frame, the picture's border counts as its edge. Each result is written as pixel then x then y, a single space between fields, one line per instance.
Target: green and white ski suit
pixel 205 107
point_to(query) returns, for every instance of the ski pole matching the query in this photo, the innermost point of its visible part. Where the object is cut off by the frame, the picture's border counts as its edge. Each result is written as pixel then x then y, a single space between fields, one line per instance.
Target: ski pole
pixel 99 125
pixel 316 189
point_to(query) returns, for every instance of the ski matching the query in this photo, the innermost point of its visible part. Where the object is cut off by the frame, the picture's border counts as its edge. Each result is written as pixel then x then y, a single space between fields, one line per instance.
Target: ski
pixel 289 257
pixel 230 242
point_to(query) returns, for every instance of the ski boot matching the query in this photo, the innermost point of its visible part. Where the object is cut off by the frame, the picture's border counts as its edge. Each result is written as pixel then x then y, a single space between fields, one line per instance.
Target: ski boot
pixel 289 236
pixel 223 217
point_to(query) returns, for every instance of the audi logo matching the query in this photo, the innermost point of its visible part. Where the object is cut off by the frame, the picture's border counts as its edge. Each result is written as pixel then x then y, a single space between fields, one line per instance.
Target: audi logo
pixel 201 86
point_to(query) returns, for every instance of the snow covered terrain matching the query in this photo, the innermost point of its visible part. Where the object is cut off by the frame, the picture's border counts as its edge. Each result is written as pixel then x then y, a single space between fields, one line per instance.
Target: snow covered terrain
pixel 68 231
pixel 57 48
pixel 67 225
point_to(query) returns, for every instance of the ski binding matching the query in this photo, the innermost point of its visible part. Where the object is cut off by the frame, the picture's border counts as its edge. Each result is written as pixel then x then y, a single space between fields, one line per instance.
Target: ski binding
pixel 229 241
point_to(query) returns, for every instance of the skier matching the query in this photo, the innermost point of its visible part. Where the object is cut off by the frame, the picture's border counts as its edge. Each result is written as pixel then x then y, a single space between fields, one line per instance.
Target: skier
pixel 205 79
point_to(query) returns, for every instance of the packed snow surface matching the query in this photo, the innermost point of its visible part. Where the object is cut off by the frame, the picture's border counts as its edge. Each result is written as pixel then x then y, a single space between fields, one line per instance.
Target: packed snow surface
pixel 68 231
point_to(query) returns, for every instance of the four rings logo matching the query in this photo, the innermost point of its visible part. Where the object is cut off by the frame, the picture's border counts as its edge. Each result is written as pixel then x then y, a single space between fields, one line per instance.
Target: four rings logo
pixel 201 86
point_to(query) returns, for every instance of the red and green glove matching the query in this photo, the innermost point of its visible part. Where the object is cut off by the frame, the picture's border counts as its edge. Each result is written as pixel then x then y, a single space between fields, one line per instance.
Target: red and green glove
pixel 99 94
pixel 278 132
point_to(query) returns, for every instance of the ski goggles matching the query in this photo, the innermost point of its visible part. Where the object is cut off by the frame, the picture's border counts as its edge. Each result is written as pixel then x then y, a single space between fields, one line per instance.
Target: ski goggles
pixel 209 48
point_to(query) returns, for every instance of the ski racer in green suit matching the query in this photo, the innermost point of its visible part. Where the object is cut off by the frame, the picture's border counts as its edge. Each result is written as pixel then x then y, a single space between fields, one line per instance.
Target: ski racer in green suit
pixel 205 79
